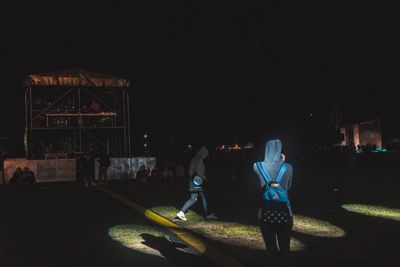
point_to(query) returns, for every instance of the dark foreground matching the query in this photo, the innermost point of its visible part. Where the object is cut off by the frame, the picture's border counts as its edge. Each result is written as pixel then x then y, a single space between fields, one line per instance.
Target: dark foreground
pixel 66 225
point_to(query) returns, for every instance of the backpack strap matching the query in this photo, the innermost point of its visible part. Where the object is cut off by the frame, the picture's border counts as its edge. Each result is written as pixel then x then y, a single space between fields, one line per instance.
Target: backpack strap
pixel 266 176
pixel 282 171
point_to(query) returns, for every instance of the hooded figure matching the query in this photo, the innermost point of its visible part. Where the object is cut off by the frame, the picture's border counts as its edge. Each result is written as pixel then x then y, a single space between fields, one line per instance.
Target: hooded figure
pixel 196 168
pixel 272 164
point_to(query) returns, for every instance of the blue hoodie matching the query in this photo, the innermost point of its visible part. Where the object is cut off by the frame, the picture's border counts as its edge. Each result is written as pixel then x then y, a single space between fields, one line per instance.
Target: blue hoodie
pixel 272 164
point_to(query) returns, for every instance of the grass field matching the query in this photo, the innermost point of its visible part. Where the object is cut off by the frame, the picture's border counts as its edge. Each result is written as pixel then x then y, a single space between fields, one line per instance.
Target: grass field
pixel 341 219
pixel 325 222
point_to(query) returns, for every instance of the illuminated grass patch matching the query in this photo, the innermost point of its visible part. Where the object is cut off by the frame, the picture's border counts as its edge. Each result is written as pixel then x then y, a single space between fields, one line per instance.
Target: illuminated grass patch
pixel 129 236
pixel 226 232
pixel 170 213
pixel 374 211
pixel 311 226
pixel 237 234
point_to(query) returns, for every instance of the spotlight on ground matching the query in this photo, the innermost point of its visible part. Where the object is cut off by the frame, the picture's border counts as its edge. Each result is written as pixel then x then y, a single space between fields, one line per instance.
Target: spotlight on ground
pixel 130 236
pixel 150 240
pixel 315 227
pixel 374 211
pixel 225 232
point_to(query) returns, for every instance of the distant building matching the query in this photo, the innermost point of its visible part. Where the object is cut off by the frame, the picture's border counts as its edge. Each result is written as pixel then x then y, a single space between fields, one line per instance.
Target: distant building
pixel 369 132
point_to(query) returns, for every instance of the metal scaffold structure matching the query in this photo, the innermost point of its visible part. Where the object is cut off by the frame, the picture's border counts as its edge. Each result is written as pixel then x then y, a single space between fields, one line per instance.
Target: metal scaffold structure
pixel 73 111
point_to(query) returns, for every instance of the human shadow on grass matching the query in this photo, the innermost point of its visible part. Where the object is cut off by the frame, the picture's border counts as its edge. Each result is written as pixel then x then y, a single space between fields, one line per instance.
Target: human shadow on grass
pixel 174 251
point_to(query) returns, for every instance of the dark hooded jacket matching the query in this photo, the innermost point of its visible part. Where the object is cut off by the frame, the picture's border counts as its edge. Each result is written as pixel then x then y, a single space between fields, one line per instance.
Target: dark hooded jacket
pixel 272 164
pixel 197 167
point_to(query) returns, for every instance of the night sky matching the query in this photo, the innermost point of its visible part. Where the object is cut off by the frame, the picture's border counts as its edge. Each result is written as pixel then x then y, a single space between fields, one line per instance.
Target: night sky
pixel 223 71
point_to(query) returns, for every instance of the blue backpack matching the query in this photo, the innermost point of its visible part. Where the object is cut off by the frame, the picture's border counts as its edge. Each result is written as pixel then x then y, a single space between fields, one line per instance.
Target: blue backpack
pixel 275 201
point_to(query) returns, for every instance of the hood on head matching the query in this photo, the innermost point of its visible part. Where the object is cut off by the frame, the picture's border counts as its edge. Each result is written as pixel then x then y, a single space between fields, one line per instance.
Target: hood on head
pixel 273 150
pixel 202 153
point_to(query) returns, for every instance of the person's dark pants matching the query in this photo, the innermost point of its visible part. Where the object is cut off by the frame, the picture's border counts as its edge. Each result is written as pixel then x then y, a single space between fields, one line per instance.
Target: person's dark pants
pixel 103 176
pixel 278 244
pixel 193 198
pixel 88 178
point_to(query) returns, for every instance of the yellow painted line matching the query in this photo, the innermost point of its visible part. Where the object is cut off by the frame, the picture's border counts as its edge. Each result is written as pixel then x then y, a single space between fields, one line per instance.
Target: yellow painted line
pixel 182 233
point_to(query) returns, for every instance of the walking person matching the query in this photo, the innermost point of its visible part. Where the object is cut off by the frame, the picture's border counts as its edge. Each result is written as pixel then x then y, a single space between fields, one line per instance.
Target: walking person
pixel 88 168
pixel 197 177
pixel 104 164
pixel 275 213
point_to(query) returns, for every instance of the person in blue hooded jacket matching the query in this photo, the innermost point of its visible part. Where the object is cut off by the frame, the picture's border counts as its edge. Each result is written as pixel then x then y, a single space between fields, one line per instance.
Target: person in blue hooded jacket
pixel 197 176
pixel 277 243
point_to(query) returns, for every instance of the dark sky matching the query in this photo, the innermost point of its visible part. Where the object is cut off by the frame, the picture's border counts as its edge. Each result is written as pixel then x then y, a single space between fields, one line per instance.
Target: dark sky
pixel 217 69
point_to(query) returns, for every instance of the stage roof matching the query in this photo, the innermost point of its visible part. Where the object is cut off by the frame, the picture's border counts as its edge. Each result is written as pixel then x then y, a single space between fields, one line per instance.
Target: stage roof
pixel 75 77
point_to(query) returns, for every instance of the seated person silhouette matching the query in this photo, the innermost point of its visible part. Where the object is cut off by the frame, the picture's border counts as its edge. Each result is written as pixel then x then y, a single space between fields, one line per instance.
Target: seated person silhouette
pixel 28 178
pixel 155 175
pixel 16 178
pixel 143 174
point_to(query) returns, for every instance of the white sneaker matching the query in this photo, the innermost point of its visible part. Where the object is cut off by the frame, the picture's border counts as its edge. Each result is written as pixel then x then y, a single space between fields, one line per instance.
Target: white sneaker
pixel 181 216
